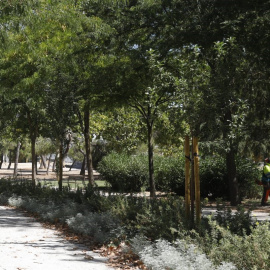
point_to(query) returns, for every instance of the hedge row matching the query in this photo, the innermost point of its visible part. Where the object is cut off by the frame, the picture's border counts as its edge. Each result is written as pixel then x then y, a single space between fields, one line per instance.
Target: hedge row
pixel 130 174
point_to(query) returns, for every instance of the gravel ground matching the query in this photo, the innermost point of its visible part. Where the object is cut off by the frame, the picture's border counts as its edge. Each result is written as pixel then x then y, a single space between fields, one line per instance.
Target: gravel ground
pixel 26 245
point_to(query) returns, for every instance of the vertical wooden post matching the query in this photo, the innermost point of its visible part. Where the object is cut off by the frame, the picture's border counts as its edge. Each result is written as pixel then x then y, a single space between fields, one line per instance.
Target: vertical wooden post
pixel 187 177
pixel 197 180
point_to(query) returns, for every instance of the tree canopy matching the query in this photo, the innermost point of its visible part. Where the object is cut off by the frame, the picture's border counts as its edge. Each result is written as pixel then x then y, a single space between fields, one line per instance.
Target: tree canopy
pixel 198 67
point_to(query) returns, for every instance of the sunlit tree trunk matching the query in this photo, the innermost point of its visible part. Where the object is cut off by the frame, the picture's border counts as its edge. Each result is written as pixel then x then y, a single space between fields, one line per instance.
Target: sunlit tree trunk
pixel 16 160
pixel 88 143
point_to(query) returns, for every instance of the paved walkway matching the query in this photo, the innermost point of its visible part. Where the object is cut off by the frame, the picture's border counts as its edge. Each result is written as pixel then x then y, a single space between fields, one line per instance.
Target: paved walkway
pixel 26 245
pixel 256 215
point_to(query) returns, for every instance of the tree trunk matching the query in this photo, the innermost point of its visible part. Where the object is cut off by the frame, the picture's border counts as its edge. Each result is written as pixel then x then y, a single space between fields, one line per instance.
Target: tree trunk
pixel 88 143
pixel 34 161
pixel 72 164
pixel 82 172
pixel 16 160
pixel 1 160
pixel 232 178
pixel 43 164
pixel 60 167
pixel 54 162
pixel 49 163
pixel 151 160
pixel 10 157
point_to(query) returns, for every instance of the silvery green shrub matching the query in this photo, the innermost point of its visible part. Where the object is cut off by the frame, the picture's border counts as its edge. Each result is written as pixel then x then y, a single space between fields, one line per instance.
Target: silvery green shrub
pixel 3 199
pixel 177 256
pixel 101 226
pixel 16 201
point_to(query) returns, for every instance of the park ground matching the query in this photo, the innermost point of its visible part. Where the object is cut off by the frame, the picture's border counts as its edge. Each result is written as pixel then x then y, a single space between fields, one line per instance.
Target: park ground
pixel 27 244
pixel 73 178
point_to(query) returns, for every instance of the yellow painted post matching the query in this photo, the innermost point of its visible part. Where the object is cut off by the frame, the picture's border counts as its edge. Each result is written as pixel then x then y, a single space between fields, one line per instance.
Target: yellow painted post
pixel 197 180
pixel 187 176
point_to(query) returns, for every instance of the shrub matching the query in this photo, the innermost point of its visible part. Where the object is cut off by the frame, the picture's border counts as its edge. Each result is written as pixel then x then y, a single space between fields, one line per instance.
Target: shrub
pixel 213 177
pixel 248 172
pixel 246 252
pixel 176 256
pixel 124 173
pixel 101 226
pixel 170 174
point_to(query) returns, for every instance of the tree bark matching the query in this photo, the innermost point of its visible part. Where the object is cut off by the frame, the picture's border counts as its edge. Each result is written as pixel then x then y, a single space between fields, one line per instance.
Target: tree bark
pixel 54 162
pixel 17 160
pixel 34 163
pixel 72 164
pixel 10 157
pixel 1 160
pixel 60 168
pixel 151 160
pixel 49 163
pixel 232 178
pixel 88 143
pixel 82 172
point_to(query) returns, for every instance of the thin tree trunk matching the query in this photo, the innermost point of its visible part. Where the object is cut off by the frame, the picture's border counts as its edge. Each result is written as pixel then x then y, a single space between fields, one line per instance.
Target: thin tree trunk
pixel 15 173
pixel 88 143
pixel 49 163
pixel 60 168
pixel 82 172
pixel 34 161
pixel 43 164
pixel 54 163
pixel 151 160
pixel 232 178
pixel 1 160
pixel 10 157
pixel 72 164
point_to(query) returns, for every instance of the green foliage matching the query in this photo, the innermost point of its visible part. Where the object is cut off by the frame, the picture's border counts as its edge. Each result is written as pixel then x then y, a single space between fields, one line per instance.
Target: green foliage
pixel 99 150
pixel 240 222
pixel 124 172
pixel 245 251
pixel 170 174
pixel 176 256
pixel 213 177
pixel 129 173
pixel 230 238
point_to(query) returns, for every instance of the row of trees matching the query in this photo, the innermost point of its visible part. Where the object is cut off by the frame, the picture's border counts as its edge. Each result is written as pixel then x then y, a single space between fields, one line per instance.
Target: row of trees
pixel 198 67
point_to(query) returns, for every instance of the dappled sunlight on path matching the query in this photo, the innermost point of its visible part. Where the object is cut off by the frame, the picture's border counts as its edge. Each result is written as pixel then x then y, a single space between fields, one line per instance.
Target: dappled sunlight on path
pixel 26 244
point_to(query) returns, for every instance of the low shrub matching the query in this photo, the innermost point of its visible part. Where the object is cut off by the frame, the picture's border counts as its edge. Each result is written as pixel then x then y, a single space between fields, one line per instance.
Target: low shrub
pixel 124 172
pixel 214 179
pixel 177 256
pixel 247 251
pixel 170 174
pixel 101 226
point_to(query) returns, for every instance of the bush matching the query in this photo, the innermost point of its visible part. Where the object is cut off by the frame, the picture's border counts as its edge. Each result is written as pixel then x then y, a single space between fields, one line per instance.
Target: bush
pixel 101 226
pixel 214 179
pixel 170 174
pixel 130 174
pixel 246 252
pixel 176 256
pixel 124 173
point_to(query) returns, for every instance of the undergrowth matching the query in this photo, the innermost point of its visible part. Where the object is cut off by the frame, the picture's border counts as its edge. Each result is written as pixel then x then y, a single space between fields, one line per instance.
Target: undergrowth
pixel 161 235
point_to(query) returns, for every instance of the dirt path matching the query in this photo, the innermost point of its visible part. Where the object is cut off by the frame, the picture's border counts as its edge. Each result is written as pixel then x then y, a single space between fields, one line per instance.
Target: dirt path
pixel 26 245
pixel 24 171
